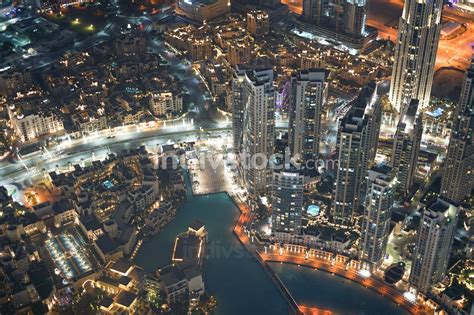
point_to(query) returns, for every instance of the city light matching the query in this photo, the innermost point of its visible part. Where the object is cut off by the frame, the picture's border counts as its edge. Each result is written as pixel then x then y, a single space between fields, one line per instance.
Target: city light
pixel 364 273
pixel 409 296
pixel 275 149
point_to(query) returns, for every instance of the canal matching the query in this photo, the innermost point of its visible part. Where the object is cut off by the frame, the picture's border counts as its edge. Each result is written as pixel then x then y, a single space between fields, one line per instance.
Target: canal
pixel 235 278
pixel 316 288
pixel 232 275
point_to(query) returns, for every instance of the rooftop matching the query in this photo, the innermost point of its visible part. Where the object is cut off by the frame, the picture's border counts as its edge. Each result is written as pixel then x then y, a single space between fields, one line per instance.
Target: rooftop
pixel 125 298
pixel 106 244
pixel 170 275
pixel 121 265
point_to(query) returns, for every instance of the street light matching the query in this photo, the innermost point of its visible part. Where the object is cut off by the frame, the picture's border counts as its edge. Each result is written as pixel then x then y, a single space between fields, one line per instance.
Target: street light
pixel 410 297
pixel 364 273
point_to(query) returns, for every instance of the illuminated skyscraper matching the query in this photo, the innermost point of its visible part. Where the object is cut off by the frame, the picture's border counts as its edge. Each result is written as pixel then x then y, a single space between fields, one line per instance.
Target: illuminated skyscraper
pixel 458 179
pixel 356 145
pixel 406 146
pixel 381 186
pixel 237 109
pixel 313 10
pixel 370 95
pixel 433 246
pixel 354 17
pixel 254 100
pixel 344 16
pixel 287 200
pixel 415 53
pixel 308 95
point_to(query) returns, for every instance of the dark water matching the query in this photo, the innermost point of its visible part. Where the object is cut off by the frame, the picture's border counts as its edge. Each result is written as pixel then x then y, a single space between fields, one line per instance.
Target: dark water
pixel 240 285
pixel 329 292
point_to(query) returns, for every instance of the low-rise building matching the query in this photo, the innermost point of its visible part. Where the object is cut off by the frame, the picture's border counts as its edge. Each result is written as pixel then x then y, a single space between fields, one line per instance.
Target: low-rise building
pixel 31 122
pixel 173 283
pixel 203 10
pixel 142 198
pixel 88 122
pixel 166 104
pixel 258 23
pixel 160 217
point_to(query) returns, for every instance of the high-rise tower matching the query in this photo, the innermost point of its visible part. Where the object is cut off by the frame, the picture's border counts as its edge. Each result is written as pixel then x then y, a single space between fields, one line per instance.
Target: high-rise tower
pixel 308 95
pixel 254 101
pixel 433 246
pixel 406 146
pixel 458 179
pixel 415 53
pixel 287 200
pixel 237 109
pixel 377 212
pixel 355 149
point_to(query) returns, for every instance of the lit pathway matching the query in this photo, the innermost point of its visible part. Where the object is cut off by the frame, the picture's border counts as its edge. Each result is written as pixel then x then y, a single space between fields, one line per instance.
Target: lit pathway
pixel 302 259
pixel 349 273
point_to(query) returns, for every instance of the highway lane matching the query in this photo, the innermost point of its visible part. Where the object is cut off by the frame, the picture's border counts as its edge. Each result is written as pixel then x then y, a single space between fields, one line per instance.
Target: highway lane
pixel 20 171
pixel 97 146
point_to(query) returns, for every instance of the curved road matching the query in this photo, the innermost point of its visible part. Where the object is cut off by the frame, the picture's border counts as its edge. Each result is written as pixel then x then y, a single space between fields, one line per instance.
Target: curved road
pixel 320 263
pixel 19 172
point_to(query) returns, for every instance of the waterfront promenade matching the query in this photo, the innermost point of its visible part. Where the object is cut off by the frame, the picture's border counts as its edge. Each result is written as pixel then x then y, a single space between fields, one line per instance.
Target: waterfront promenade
pixel 298 255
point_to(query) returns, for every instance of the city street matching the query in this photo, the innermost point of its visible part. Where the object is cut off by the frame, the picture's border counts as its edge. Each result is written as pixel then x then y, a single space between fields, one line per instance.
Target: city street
pixel 20 173
pixel 384 14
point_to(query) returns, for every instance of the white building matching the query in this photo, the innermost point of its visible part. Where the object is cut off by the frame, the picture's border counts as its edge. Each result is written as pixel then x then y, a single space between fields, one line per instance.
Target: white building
pixel 201 10
pixel 287 200
pixel 377 212
pixel 29 125
pixel 406 146
pixel 142 198
pixel 415 53
pixel 308 96
pixel 237 100
pixel 458 179
pixel 433 246
pixel 88 122
pixel 356 146
pixel 258 128
pixel 166 104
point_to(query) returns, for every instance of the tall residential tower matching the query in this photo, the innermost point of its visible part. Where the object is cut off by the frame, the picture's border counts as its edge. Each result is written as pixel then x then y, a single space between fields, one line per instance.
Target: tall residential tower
pixel 308 95
pixel 237 109
pixel 433 245
pixel 415 53
pixel 356 147
pixel 458 179
pixel 377 213
pixel 254 128
pixel 287 200
pixel 406 146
